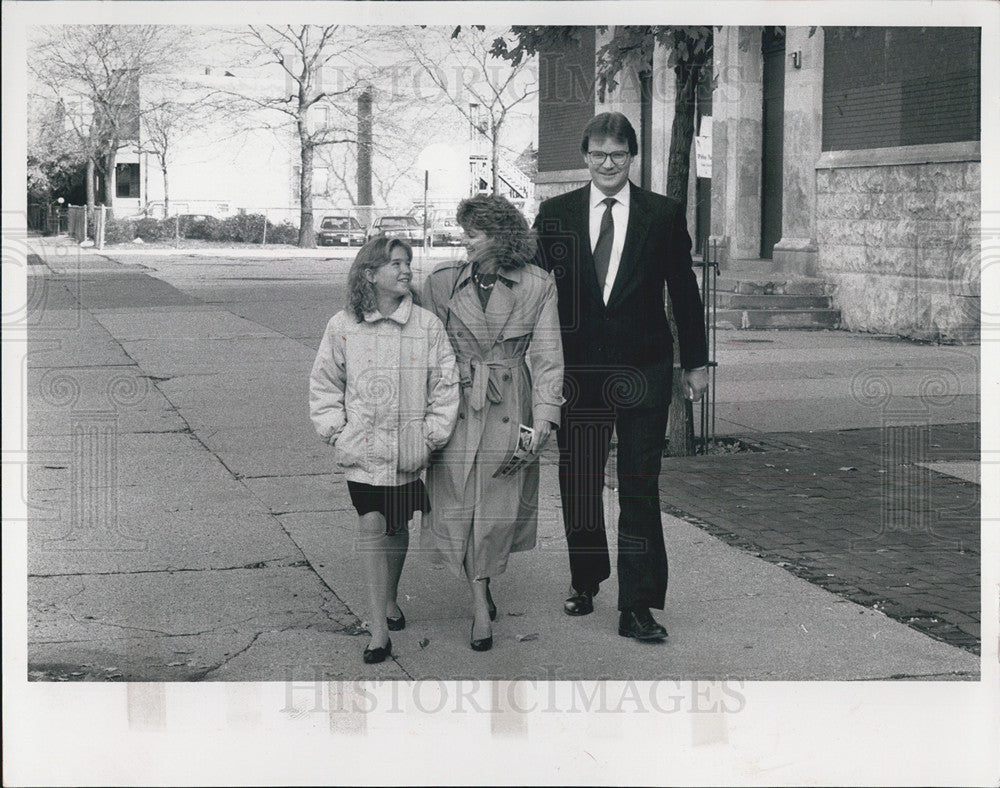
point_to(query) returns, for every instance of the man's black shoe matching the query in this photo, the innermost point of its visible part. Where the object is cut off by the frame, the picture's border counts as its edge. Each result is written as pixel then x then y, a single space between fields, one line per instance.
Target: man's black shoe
pixel 638 623
pixel 580 603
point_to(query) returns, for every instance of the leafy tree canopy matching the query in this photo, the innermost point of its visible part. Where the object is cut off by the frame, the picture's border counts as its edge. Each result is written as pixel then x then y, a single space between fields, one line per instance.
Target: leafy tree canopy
pixel 631 47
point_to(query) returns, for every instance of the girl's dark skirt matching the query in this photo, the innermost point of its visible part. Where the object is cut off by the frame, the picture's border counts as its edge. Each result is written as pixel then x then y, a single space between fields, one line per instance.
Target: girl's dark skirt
pixel 396 504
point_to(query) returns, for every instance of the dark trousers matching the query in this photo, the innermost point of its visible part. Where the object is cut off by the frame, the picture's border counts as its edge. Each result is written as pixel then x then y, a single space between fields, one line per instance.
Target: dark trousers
pixel 584 440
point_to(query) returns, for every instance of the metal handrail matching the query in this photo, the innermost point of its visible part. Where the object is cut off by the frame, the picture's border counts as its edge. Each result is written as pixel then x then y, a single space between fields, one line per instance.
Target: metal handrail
pixel 709 300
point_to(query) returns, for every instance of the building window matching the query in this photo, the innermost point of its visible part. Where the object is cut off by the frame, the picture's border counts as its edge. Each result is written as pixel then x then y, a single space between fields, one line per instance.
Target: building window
pixel 127 181
pixel 889 87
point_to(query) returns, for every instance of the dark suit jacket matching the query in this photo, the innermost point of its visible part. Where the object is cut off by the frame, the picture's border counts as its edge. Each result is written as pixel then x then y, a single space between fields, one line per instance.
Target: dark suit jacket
pixel 632 330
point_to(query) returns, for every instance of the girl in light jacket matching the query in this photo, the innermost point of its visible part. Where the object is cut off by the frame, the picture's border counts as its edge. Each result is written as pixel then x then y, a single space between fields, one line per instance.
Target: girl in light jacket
pixel 384 392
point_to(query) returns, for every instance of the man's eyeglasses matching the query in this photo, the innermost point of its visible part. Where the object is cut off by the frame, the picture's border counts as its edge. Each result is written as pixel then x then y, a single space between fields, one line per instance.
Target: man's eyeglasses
pixel 597 158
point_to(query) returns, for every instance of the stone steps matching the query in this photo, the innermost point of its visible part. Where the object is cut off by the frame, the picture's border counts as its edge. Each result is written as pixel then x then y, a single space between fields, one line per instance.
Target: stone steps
pixel 776 286
pixel 755 298
pixel 777 318
pixel 728 300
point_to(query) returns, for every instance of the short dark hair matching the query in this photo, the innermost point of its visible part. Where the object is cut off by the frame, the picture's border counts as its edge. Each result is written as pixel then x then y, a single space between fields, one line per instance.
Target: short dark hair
pixel 503 223
pixel 371 256
pixel 613 125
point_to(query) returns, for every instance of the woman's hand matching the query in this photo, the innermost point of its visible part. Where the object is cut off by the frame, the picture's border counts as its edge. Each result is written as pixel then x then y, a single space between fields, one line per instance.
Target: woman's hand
pixel 542 432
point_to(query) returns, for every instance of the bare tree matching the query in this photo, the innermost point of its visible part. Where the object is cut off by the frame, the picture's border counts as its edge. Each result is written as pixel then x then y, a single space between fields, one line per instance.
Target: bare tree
pixel 322 70
pixel 94 70
pixel 484 88
pixel 173 110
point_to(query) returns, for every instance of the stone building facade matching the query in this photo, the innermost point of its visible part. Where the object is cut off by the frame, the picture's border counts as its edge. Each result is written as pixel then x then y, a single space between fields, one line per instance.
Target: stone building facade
pixel 849 155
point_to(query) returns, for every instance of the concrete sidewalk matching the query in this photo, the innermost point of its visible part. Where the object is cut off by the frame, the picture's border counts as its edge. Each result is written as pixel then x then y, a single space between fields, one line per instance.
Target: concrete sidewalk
pixel 186 524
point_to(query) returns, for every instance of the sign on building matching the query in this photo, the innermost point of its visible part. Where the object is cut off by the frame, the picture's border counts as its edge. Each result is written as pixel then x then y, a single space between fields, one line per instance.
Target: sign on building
pixel 703 149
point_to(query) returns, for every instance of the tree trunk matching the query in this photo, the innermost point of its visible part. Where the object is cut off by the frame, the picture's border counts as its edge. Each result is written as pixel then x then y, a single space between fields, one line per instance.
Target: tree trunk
pixel 91 197
pixel 110 184
pixel 307 238
pixel 495 127
pixel 91 190
pixel 682 134
pixel 166 191
pixel 364 174
pixel 495 162
pixel 680 428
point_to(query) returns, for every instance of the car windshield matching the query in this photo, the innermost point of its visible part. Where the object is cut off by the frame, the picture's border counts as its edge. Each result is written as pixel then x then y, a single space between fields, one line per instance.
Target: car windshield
pixel 397 221
pixel 334 223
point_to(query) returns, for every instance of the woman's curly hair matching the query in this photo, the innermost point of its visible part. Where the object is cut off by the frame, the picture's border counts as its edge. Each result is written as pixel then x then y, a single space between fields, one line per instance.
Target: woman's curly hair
pixel 372 256
pixel 503 223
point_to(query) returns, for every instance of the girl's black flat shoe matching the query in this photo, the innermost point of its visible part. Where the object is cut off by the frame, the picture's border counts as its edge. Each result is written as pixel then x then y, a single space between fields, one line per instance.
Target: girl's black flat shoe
pixel 373 656
pixel 396 624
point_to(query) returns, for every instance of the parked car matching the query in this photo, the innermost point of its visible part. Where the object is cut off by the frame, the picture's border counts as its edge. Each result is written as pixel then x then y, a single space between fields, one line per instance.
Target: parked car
pixel 344 230
pixel 446 232
pixel 405 227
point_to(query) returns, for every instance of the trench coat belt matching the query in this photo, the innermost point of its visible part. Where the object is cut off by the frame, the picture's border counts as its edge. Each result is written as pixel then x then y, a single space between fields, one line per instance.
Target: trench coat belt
pixel 479 373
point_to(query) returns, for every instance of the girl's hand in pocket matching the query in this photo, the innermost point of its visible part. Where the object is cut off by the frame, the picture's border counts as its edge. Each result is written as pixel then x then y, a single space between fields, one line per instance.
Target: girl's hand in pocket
pixel 414 453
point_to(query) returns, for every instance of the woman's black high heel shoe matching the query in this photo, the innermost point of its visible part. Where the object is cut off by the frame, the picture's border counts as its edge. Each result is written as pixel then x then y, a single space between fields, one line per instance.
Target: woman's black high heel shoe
pixel 396 624
pixel 482 644
pixel 373 656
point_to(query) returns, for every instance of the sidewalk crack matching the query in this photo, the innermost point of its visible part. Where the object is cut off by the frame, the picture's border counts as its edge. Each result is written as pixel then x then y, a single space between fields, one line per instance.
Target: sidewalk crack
pixel 270 563
pixel 229 625
pixel 282 475
pixel 232 656
pixel 903 676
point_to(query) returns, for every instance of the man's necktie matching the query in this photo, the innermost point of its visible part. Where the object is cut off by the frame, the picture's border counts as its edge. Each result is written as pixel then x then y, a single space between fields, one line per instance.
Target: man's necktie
pixel 602 251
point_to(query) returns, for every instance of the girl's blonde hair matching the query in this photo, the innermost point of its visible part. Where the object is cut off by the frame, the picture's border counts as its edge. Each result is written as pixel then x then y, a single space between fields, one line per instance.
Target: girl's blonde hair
pixel 372 256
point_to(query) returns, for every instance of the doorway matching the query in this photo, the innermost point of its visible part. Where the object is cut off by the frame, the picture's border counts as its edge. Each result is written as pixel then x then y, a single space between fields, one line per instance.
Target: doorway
pixel 773 49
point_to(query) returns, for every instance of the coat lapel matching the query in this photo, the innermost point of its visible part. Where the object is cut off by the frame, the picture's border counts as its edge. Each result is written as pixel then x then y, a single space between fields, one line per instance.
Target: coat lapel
pixel 578 228
pixel 639 219
pixel 465 306
pixel 500 305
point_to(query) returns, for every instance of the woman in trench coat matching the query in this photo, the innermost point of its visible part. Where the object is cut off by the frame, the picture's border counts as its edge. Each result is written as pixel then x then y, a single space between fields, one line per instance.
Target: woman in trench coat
pixel 500 314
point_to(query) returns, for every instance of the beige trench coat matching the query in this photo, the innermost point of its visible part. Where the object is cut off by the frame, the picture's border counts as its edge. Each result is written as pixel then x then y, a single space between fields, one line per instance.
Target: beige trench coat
pixel 510 368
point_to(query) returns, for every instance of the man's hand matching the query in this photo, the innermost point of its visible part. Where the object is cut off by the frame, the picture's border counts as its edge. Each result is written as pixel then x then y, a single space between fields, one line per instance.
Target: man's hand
pixel 695 383
pixel 542 431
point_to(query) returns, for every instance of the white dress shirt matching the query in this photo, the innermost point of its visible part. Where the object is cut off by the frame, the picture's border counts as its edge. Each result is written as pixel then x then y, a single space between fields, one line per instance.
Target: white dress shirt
pixel 619 212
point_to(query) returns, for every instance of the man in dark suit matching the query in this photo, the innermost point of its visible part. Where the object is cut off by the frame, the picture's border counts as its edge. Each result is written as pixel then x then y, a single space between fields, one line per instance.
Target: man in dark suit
pixel 612 246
